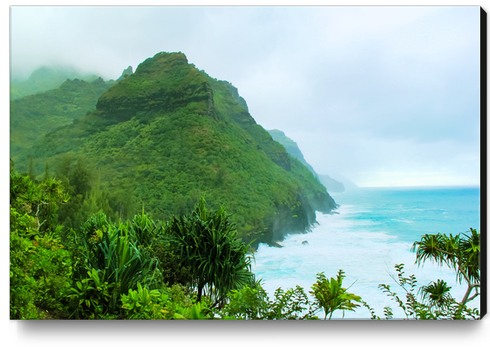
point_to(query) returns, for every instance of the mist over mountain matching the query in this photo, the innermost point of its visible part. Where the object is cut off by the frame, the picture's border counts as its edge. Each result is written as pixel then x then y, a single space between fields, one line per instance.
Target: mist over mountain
pixel 168 134
pixel 292 148
pixel 331 184
pixel 347 183
pixel 45 78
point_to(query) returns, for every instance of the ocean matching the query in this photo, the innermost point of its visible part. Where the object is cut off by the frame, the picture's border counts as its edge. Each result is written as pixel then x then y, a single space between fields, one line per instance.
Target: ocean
pixel 371 231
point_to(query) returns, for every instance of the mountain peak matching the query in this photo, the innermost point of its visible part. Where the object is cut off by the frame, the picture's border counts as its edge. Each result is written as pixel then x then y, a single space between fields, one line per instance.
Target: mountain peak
pixel 162 83
pixel 162 62
pixel 126 73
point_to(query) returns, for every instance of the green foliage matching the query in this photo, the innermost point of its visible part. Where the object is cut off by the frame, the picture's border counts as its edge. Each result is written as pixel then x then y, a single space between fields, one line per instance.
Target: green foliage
pixel 93 297
pixel 40 267
pixel 291 304
pixel 88 196
pixel 254 303
pixel 330 295
pixel 40 201
pixel 170 264
pixel 161 304
pixel 437 293
pixel 139 269
pixel 247 303
pixel 145 304
pixel 113 254
pixel 143 229
pixel 206 242
pixel 40 271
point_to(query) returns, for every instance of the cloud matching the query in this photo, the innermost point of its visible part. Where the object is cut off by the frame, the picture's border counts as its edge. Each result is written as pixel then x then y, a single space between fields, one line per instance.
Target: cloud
pixel 355 87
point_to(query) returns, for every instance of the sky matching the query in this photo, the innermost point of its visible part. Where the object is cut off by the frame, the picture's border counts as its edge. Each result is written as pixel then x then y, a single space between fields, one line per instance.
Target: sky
pixel 382 96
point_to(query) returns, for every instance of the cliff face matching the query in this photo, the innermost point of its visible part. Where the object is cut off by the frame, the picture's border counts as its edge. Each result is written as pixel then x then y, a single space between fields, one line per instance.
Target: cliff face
pixel 169 133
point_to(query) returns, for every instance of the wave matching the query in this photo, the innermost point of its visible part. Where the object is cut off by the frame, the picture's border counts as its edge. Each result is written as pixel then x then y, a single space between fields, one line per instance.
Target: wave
pixel 402 220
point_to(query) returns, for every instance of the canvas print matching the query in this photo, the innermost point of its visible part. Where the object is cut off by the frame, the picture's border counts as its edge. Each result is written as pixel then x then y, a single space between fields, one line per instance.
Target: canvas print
pixel 245 163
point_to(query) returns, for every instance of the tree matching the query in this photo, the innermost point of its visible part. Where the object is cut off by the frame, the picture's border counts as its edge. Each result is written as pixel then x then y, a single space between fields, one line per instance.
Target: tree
pixel 40 201
pixel 437 293
pixel 81 178
pixel 460 252
pixel 46 171
pixel 32 171
pixel 206 242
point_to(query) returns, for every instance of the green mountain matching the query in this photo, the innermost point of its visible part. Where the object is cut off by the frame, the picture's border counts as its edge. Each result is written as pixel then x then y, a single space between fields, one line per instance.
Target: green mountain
pixel 293 149
pixel 46 78
pixel 169 133
pixel 33 116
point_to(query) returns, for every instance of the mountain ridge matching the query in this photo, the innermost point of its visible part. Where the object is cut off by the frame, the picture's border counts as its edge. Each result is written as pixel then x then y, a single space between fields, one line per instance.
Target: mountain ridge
pixel 46 78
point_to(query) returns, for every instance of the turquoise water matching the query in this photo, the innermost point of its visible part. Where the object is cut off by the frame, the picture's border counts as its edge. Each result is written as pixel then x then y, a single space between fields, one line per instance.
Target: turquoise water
pixel 373 230
pixel 409 213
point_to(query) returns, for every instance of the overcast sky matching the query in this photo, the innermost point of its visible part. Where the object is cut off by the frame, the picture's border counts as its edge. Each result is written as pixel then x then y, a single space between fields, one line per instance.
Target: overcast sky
pixel 386 96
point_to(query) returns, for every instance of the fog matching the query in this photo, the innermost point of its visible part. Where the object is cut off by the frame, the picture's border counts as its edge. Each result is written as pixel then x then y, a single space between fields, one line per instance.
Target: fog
pixel 386 96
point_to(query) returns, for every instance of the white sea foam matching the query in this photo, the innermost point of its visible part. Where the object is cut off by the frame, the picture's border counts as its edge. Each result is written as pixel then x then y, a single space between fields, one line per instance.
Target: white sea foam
pixel 402 220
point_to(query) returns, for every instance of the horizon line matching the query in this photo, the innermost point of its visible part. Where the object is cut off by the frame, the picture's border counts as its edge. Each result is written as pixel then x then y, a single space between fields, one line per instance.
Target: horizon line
pixel 427 186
